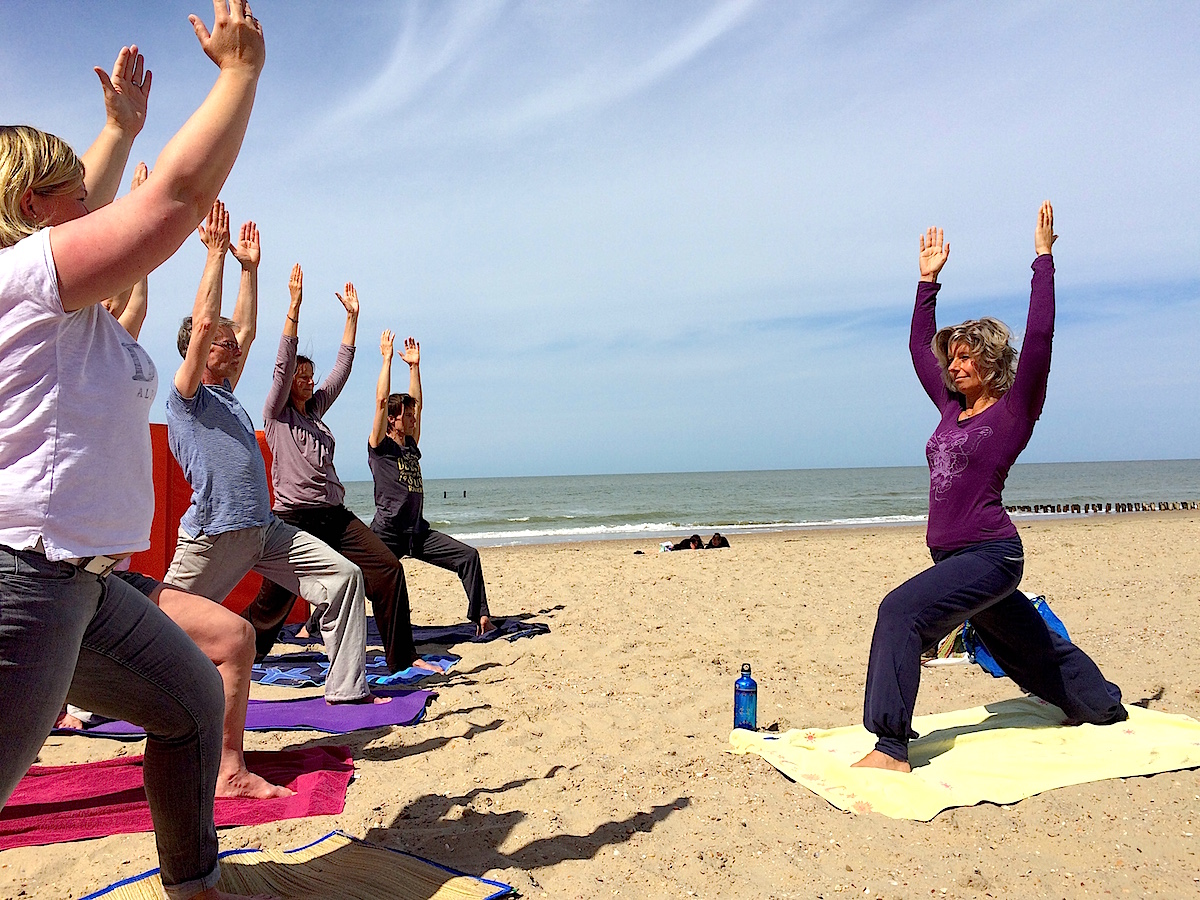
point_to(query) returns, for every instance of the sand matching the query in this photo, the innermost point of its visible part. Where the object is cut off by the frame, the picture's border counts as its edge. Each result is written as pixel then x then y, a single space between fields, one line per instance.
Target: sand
pixel 592 761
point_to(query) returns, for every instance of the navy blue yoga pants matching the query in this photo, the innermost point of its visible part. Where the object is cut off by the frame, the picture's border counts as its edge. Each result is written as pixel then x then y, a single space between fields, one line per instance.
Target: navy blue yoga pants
pixel 977 583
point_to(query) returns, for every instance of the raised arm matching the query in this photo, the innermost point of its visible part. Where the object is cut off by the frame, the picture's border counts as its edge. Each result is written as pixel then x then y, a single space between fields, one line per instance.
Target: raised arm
pixel 383 389
pixel 332 386
pixel 1028 392
pixel 245 311
pixel 412 356
pixel 103 252
pixel 126 95
pixel 933 255
pixel 206 313
pixel 130 305
pixel 285 359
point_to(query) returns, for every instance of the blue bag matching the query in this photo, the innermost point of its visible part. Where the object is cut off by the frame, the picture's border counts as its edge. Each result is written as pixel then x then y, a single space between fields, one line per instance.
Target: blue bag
pixel 979 654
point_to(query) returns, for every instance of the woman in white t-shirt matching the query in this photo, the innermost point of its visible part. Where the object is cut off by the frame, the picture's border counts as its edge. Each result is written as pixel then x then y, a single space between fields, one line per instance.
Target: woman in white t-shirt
pixel 76 494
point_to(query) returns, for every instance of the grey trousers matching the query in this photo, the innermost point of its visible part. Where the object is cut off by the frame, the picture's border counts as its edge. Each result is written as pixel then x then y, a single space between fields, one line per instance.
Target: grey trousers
pixel 65 633
pixel 298 562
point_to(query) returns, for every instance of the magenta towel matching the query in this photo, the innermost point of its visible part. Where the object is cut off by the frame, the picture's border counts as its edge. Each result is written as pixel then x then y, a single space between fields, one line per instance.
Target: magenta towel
pixel 53 804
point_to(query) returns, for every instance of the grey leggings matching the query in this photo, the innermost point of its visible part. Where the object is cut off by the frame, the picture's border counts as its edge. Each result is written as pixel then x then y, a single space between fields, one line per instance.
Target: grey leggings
pixel 64 634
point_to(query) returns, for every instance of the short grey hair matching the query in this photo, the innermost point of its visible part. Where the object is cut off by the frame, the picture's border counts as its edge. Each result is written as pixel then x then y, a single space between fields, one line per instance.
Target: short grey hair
pixel 184 338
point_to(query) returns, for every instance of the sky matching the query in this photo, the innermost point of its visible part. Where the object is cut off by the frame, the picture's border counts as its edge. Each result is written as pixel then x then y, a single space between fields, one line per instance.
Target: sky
pixel 682 236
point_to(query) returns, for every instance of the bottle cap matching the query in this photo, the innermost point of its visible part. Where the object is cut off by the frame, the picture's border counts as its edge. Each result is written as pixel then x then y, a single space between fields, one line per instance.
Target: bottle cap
pixel 745 668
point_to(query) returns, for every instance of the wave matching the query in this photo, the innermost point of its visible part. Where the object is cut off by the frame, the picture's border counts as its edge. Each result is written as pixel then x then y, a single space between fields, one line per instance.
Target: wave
pixel 664 529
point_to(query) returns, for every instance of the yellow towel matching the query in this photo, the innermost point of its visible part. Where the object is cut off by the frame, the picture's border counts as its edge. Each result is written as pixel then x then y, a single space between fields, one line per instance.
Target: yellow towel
pixel 1002 753
pixel 335 866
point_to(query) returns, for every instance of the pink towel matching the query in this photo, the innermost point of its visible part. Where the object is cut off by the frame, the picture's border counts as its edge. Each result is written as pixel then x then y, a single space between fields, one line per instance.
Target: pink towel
pixel 71 803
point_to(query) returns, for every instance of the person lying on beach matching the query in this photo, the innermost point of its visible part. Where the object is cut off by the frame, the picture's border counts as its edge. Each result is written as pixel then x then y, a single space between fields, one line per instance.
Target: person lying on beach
pixel 229 530
pixel 717 542
pixel 65 521
pixel 695 542
pixel 309 494
pixel 395 465
pixel 220 634
pixel 988 403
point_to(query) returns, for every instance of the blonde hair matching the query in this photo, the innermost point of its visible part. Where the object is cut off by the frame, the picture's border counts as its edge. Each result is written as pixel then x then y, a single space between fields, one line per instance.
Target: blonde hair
pixel 989 343
pixel 32 159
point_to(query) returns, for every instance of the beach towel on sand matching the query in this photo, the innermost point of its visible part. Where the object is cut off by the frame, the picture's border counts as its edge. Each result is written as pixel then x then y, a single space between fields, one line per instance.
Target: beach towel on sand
pixel 337 865
pixel 70 803
pixel 1001 753
pixel 510 629
pixel 310 670
pixel 305 714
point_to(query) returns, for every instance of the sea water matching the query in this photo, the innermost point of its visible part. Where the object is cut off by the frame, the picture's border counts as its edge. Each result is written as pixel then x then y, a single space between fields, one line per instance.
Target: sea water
pixel 494 511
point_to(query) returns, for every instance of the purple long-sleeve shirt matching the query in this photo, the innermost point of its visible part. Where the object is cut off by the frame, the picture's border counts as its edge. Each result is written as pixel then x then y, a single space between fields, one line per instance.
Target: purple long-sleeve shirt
pixel 301 445
pixel 969 460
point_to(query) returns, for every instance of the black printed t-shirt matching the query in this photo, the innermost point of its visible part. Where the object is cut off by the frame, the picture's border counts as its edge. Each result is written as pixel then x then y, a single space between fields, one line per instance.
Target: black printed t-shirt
pixel 399 491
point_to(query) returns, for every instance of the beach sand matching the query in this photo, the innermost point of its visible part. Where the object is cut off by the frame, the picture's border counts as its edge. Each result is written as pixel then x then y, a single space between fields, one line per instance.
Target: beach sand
pixel 592 761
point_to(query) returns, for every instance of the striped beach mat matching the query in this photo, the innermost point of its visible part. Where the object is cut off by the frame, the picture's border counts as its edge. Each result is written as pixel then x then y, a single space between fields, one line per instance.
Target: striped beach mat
pixel 337 865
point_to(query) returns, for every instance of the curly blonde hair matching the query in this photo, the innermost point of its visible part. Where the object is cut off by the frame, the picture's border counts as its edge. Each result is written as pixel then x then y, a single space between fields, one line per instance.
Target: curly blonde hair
pixel 989 342
pixel 32 159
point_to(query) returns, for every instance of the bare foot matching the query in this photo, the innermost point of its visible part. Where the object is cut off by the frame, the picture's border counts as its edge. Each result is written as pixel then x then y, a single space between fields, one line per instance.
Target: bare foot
pixel 485 625
pixel 877 760
pixel 419 663
pixel 370 698
pixel 246 784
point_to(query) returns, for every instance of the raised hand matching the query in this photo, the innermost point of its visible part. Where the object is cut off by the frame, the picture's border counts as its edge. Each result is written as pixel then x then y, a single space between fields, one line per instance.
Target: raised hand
pixel 296 285
pixel 236 39
pixel 127 91
pixel 412 352
pixel 140 174
pixel 934 253
pixel 247 250
pixel 349 299
pixel 387 344
pixel 214 230
pixel 1043 235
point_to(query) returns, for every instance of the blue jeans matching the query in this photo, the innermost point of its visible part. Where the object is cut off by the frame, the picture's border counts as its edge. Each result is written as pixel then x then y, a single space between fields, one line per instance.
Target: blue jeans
pixel 65 633
pixel 979 583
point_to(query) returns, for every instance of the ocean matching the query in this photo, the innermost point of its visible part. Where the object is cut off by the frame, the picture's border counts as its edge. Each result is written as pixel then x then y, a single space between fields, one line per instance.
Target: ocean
pixel 503 511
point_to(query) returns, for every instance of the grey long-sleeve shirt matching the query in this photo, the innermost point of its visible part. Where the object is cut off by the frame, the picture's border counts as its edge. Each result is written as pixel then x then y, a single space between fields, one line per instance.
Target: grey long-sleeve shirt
pixel 301 445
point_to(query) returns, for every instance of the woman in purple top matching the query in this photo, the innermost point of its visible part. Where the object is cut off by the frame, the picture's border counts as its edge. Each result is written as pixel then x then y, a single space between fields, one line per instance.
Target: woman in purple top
pixel 309 494
pixel 988 403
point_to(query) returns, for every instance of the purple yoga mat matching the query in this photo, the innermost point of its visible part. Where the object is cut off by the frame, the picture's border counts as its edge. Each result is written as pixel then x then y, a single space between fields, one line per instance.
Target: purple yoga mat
pixel 307 714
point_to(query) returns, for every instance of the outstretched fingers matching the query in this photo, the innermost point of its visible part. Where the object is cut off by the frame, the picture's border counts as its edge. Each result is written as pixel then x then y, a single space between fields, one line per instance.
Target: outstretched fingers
pixel 387 343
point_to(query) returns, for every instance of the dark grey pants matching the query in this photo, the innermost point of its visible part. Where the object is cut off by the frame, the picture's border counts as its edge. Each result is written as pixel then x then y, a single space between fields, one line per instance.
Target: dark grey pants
pixel 445 552
pixel 67 634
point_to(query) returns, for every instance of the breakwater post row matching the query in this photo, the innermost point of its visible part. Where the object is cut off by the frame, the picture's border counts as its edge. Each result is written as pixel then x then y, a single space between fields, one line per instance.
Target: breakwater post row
pixel 1106 508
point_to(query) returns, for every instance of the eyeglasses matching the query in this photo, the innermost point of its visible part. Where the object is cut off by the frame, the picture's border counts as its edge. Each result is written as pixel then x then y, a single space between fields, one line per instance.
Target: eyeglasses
pixel 228 345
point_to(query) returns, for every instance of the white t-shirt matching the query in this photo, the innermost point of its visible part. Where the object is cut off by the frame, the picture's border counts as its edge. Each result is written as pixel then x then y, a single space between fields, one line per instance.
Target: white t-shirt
pixel 75 395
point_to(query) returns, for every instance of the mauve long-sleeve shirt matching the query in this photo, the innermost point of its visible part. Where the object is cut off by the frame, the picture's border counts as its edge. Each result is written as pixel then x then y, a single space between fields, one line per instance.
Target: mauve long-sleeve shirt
pixel 969 461
pixel 301 445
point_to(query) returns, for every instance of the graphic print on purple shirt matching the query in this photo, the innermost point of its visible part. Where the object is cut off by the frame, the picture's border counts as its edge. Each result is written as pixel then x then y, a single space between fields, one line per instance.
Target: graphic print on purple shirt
pixel 949 453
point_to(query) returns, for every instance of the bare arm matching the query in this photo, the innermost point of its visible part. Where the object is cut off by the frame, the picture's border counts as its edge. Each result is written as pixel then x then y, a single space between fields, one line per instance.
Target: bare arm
pixel 206 313
pixel 285 360
pixel 350 301
pixel 134 315
pixel 130 305
pixel 126 95
pixel 383 388
pixel 101 253
pixel 412 356
pixel 247 252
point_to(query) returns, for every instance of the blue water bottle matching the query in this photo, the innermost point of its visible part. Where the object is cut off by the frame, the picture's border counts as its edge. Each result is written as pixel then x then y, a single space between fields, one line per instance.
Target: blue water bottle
pixel 745 701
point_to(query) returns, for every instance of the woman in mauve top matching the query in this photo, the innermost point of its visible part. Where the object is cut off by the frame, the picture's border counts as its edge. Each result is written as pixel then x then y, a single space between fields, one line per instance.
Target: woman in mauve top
pixel 309 494
pixel 988 403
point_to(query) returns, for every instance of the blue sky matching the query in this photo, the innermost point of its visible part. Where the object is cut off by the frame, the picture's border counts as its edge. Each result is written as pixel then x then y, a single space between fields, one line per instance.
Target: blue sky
pixel 639 237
